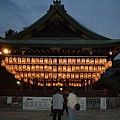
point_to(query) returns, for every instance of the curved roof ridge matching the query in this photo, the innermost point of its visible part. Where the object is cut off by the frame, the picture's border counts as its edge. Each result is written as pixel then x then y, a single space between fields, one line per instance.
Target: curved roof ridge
pixel 57 8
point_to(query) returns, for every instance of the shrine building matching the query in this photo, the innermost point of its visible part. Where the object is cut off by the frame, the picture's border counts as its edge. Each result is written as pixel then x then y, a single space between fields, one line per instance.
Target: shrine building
pixel 57 50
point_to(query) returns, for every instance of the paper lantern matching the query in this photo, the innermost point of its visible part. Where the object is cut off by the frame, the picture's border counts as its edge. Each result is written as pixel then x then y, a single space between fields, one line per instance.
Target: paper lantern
pixel 78 61
pixel 41 68
pixel 6 59
pixel 45 60
pixel 54 61
pixel 54 68
pixel 50 60
pixel 3 63
pixel 10 60
pixel 41 61
pixel 60 68
pixel 23 60
pixel 64 68
pixel 64 61
pixel 28 60
pixel 14 60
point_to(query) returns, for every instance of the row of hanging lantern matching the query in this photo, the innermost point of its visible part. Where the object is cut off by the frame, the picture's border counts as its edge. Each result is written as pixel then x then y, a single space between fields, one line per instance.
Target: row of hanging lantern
pixel 58 83
pixel 19 60
pixel 54 68
pixel 21 75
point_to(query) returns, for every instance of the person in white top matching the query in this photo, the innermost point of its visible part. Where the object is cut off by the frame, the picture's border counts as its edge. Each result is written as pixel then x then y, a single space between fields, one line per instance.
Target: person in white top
pixel 57 104
pixel 71 102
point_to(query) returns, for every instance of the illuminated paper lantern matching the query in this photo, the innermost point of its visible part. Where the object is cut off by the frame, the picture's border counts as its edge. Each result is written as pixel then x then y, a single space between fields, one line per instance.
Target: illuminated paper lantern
pixel 68 75
pixel 69 61
pixel 46 68
pixel 85 76
pixel 45 60
pixel 42 75
pixel 90 68
pixel 73 61
pixel 54 61
pixel 37 75
pixel 83 61
pixel 104 61
pixel 64 61
pixel 89 75
pixel 41 68
pixel 28 60
pixel 10 60
pixel 24 68
pixel 73 68
pixel 20 68
pixel 68 68
pixel 50 68
pixel 87 61
pixel 86 68
pixel 14 60
pixel 19 60
pixel 23 60
pixel 50 75
pixel 29 75
pixel 41 61
pixel 60 61
pixel 81 75
pixel 82 68
pixel 60 75
pixel 78 61
pixel 64 68
pixel 96 61
pixel 16 67
pixel 33 60
pixel 3 63
pixel 92 61
pixel 6 59
pixel 37 60
pixel 54 68
pixel 76 75
pixel 72 76
pixel 37 67
pixel 50 60
pixel 32 68
pixel 25 75
pixel 21 74
pixel 64 76
pixel 46 75
pixel 77 68
pixel 60 68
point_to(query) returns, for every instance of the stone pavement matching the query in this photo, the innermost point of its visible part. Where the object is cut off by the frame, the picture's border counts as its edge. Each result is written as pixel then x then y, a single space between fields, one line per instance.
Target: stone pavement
pixel 45 115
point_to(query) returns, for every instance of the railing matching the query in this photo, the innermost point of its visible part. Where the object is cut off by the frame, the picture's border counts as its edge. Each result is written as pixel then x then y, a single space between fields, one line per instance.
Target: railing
pixel 49 93
pixel 12 103
pixel 34 93
pixel 92 103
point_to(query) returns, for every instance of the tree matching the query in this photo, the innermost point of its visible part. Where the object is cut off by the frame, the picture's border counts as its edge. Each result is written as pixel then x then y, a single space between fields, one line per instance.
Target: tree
pixel 10 32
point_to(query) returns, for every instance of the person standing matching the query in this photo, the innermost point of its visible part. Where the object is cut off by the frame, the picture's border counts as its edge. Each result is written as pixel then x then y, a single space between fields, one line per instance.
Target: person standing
pixel 71 103
pixel 57 104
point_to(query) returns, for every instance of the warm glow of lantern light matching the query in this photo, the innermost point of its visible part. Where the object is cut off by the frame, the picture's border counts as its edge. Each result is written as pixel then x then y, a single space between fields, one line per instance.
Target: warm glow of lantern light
pixel 6 51
pixel 75 69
